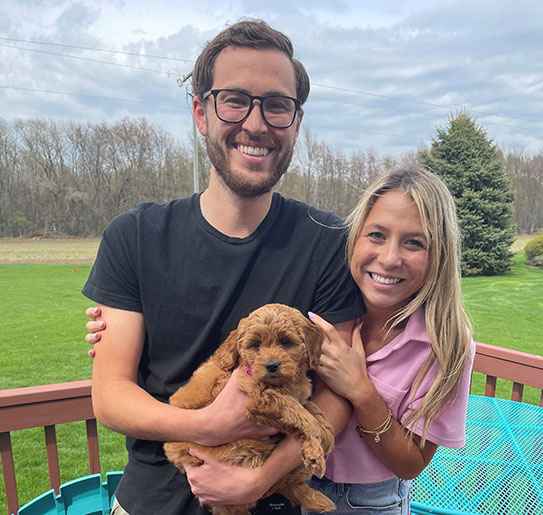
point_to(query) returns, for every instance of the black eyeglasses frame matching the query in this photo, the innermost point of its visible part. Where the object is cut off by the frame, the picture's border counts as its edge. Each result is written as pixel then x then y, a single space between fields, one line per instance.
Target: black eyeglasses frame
pixel 252 98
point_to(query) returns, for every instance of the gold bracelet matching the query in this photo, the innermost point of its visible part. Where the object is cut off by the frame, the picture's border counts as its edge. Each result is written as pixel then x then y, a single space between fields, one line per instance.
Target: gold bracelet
pixel 378 431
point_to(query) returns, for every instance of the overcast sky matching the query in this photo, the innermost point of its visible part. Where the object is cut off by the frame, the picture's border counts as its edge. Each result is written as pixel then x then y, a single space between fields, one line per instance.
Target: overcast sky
pixel 384 73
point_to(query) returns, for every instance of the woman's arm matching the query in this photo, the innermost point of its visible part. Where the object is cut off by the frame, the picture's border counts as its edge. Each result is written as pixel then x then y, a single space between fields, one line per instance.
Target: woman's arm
pixel 343 368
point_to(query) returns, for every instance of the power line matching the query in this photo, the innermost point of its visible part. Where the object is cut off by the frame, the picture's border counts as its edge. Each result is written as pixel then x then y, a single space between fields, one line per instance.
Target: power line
pixel 336 88
pixel 177 106
pixel 441 106
pixel 162 104
pixel 34 90
pixel 169 73
pixel 98 50
pixel 88 59
pixel 395 109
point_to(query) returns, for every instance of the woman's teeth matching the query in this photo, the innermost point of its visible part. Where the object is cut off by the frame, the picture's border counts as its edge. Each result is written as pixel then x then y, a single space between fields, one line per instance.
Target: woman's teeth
pixel 384 280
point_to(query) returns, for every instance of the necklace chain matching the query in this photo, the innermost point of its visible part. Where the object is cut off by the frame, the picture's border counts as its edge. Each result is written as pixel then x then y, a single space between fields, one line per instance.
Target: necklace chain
pixel 202 203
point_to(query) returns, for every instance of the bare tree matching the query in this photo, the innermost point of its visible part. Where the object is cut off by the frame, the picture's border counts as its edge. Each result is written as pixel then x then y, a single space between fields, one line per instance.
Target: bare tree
pixel 73 178
pixel 526 175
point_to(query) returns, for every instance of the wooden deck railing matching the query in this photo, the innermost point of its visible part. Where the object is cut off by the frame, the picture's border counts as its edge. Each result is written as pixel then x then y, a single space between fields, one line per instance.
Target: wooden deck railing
pixel 45 406
pixel 519 367
pixel 49 405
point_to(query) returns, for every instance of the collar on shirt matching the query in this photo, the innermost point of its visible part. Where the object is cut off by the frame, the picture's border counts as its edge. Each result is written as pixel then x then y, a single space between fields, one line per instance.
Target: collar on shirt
pixel 414 330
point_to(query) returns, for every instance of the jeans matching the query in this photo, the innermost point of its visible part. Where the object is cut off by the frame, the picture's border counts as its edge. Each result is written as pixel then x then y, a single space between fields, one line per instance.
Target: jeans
pixel 389 497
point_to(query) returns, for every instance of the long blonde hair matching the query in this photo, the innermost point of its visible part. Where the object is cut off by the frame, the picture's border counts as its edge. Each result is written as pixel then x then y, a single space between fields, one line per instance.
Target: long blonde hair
pixel 447 324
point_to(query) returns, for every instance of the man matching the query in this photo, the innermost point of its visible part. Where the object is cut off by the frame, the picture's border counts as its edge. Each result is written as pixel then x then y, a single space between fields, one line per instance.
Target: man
pixel 172 280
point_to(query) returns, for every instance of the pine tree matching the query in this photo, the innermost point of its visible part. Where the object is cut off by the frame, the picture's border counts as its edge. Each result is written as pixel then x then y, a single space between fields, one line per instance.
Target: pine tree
pixel 473 168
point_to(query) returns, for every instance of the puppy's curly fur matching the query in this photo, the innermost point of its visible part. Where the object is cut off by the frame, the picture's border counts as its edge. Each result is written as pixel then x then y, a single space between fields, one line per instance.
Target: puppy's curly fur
pixel 277 346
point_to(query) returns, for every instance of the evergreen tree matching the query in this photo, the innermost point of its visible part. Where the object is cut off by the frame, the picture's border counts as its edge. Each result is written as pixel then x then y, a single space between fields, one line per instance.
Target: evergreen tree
pixel 473 169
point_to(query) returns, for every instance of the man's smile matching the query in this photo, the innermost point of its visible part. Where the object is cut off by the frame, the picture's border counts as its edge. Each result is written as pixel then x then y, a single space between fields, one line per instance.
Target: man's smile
pixel 252 150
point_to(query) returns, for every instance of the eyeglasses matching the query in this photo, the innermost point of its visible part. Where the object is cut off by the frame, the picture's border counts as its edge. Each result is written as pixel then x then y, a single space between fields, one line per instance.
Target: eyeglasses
pixel 233 106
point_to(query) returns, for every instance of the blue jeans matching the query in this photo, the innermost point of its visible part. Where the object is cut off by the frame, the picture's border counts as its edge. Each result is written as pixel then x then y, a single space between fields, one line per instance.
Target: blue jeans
pixel 389 497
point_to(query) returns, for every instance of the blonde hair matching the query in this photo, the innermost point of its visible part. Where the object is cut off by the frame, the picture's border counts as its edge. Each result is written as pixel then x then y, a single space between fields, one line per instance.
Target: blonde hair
pixel 447 324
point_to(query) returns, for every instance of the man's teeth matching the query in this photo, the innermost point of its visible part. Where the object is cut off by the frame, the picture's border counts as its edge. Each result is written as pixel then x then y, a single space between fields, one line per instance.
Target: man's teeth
pixel 253 151
pixel 384 280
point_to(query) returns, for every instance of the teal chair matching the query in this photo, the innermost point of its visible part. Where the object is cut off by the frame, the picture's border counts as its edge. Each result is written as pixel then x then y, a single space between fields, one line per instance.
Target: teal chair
pixel 84 496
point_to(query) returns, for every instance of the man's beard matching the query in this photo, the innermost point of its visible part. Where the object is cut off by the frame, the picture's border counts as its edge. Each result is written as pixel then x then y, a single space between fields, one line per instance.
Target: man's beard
pixel 236 183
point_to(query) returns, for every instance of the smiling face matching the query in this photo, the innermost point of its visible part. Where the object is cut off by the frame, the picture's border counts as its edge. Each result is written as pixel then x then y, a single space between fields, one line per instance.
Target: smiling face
pixel 250 156
pixel 391 256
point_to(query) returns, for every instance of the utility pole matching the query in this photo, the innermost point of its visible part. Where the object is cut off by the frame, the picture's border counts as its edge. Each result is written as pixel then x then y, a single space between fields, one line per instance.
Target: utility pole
pixel 181 83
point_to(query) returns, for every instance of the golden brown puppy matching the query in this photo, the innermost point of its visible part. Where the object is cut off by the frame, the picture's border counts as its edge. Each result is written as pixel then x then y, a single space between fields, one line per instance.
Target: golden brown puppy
pixel 276 345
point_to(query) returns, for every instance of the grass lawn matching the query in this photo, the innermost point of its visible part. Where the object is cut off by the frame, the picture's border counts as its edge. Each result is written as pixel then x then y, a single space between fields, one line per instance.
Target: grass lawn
pixel 43 324
pixel 42 331
pixel 507 311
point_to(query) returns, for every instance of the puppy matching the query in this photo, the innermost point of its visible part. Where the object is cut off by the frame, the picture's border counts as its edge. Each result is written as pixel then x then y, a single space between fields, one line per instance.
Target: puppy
pixel 276 346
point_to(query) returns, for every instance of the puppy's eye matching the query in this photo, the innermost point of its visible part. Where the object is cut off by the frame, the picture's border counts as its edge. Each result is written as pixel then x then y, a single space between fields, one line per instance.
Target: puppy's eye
pixel 285 342
pixel 255 345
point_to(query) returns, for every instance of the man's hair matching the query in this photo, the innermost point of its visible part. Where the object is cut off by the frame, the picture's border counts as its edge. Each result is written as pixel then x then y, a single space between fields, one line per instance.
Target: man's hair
pixel 248 34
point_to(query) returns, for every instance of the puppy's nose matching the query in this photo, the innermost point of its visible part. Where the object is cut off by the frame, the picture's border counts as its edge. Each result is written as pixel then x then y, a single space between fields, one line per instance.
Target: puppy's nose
pixel 272 366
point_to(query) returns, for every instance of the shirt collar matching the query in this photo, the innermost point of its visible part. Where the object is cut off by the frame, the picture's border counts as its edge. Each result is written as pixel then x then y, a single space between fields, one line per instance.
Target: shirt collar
pixel 414 330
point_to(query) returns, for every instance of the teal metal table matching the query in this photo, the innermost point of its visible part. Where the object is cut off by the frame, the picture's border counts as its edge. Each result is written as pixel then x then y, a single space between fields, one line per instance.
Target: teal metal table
pixel 498 472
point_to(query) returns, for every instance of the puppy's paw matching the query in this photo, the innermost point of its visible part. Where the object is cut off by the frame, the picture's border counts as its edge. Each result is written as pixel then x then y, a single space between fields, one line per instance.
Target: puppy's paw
pixel 316 466
pixel 313 458
pixel 178 454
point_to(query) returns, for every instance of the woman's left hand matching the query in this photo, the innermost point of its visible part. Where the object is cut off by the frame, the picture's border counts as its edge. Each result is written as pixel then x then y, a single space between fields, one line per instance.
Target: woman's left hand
pixel 342 367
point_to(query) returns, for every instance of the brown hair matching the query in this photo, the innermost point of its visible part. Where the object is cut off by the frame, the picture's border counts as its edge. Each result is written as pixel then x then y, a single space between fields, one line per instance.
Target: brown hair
pixel 251 34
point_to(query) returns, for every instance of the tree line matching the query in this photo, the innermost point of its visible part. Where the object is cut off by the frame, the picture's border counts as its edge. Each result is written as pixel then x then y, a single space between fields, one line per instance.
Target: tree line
pixel 71 178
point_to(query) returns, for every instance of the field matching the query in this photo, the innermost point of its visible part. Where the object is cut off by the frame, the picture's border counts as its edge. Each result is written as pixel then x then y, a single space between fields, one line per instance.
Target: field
pixel 48 251
pixel 42 339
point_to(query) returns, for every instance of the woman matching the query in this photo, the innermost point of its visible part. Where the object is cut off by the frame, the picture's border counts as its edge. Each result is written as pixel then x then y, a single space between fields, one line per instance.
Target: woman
pixel 407 373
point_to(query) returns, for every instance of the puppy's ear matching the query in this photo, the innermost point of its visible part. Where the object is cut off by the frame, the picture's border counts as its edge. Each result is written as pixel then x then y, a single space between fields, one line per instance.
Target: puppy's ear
pixel 313 342
pixel 227 354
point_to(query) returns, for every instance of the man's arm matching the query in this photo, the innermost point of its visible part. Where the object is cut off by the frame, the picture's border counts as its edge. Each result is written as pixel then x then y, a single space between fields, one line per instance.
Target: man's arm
pixel 122 405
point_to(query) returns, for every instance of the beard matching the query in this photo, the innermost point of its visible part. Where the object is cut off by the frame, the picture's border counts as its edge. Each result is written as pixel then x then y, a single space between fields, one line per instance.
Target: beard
pixel 240 185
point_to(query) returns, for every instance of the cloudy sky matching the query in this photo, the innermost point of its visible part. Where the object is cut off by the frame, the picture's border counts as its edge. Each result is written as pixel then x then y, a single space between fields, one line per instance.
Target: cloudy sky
pixel 384 73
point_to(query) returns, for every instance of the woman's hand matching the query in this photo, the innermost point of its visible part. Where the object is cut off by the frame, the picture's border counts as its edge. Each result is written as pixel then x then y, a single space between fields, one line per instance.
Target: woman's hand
pixel 342 367
pixel 94 327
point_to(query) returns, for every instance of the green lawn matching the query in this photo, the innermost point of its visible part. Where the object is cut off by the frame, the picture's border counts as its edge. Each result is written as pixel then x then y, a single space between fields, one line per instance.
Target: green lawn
pixel 42 341
pixel 507 311
pixel 42 332
pixel 43 324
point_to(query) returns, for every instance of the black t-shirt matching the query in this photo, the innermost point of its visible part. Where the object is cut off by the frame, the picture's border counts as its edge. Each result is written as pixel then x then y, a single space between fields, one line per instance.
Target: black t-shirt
pixel 193 285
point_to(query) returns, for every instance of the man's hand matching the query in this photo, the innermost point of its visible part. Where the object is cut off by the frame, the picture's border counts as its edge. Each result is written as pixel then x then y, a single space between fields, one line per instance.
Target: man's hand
pixel 94 327
pixel 216 483
pixel 227 417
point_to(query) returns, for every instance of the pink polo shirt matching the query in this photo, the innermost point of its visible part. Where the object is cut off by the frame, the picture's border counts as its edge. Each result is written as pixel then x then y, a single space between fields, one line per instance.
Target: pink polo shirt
pixel 392 370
